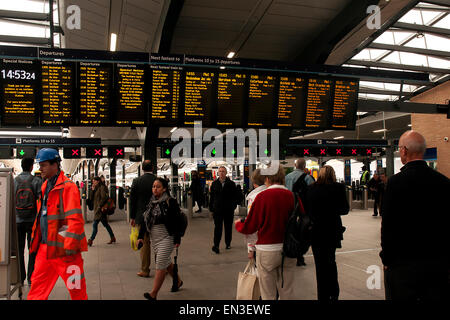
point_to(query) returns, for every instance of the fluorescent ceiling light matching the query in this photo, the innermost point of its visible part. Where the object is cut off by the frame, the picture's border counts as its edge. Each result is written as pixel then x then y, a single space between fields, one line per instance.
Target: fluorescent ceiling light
pixel 231 54
pixel 113 42
pixel 340 137
pixel 222 67
pixel 379 130
pixel 410 125
pixel 31 133
pixel 173 129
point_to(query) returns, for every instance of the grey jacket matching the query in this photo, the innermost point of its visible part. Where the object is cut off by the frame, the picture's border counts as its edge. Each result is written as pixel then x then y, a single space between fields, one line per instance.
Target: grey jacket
pixel 36 184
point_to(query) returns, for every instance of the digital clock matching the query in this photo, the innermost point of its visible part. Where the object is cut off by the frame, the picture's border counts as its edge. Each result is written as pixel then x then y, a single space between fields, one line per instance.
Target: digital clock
pixel 18 74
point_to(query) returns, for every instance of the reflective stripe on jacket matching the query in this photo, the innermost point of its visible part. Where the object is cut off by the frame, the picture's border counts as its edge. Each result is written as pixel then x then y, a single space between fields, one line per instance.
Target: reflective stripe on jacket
pixel 65 235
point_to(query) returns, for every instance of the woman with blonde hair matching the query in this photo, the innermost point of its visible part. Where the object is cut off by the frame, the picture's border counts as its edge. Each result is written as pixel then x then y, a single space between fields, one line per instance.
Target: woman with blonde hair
pixel 268 216
pixel 326 201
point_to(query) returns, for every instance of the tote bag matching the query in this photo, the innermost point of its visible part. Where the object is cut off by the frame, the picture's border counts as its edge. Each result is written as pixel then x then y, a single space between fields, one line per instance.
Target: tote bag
pixel 248 285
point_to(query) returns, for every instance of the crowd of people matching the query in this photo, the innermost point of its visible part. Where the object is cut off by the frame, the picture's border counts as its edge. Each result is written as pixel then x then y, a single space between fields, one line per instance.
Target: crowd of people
pixel 412 203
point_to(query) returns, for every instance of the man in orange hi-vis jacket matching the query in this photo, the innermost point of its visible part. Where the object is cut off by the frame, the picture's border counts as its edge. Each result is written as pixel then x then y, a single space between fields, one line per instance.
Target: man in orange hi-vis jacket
pixel 58 233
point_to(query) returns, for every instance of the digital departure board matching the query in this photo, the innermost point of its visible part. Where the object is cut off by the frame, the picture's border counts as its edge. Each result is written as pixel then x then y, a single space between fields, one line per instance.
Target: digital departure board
pixel 318 103
pixel 95 93
pixel 345 104
pixel 260 100
pixel 230 99
pixel 198 97
pixel 18 92
pixel 291 102
pixel 57 93
pixel 165 102
pixel 131 109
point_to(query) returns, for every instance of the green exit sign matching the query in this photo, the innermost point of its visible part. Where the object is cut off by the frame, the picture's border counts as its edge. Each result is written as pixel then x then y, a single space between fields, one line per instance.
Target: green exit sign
pixel 26 152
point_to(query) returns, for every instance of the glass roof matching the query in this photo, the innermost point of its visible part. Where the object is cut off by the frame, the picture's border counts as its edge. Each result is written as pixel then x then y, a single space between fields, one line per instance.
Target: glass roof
pixel 432 18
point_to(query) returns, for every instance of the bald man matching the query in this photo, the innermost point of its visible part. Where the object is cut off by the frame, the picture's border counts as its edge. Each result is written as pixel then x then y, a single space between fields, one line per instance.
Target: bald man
pixel 414 229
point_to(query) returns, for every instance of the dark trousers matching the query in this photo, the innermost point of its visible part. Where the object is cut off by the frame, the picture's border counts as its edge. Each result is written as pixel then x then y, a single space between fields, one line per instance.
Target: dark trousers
pixel 105 223
pixel 326 272
pixel 24 234
pixel 376 203
pixel 417 281
pixel 225 219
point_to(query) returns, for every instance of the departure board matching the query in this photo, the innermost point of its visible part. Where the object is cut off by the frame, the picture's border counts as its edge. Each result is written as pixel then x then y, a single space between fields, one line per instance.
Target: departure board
pixel 230 99
pixel 291 102
pixel 130 88
pixel 345 104
pixel 95 93
pixel 260 100
pixel 165 102
pixel 18 92
pixel 57 93
pixel 318 103
pixel 198 97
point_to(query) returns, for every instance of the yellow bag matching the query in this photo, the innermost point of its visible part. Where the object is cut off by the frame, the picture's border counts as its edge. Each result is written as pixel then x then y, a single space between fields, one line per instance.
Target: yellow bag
pixel 134 238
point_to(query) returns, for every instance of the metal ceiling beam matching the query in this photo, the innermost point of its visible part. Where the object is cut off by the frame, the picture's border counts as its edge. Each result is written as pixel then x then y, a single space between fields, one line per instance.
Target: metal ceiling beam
pixel 422 28
pixel 388 65
pixel 318 50
pixel 432 8
pixel 25 40
pixel 24 15
pixel 428 52
pixel 444 3
pixel 384 92
pixel 392 80
pixel 172 17
pixel 400 106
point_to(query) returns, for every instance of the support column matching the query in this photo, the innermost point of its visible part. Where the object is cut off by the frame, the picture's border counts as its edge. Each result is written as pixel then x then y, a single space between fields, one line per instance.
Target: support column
pixel 390 159
pixel 151 137
pixel 112 179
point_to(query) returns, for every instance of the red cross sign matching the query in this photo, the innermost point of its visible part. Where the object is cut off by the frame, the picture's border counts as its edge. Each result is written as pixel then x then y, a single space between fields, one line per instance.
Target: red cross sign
pixel 98 152
pixel 322 151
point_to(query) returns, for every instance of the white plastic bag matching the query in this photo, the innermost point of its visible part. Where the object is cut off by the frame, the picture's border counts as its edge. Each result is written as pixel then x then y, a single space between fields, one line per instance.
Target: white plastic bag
pixel 248 284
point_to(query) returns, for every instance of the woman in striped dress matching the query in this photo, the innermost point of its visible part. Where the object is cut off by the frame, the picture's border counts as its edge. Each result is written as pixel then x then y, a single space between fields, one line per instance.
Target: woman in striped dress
pixel 163 226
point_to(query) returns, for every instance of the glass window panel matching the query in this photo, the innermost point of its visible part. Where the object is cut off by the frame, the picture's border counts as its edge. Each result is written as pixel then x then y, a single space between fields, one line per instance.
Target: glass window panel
pixel 443 23
pixel 437 43
pixel 363 55
pixel 392 57
pixel 392 86
pixel 24 5
pixel 16 29
pixel 417 42
pixel 413 59
pixel 412 16
pixel 376 53
pixel 385 37
pixel 401 36
pixel 429 16
pixel 371 84
pixel 439 63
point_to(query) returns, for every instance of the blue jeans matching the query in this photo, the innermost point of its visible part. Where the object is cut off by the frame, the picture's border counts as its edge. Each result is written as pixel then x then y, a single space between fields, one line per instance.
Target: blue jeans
pixel 105 223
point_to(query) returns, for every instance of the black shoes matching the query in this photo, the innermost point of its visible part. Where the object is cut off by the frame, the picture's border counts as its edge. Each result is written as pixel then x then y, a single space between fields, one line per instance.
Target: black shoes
pixel 300 263
pixel 215 249
pixel 228 247
pixel 149 297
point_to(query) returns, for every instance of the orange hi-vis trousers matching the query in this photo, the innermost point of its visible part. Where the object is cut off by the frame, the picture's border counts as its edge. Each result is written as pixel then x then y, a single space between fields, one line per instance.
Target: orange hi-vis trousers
pixel 46 273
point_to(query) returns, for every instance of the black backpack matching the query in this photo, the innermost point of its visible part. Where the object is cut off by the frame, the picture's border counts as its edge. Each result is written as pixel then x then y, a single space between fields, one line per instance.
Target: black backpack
pixel 300 186
pixel 25 199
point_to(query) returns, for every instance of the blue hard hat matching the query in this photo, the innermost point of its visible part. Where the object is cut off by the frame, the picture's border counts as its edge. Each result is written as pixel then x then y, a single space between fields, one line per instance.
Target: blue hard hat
pixel 47 154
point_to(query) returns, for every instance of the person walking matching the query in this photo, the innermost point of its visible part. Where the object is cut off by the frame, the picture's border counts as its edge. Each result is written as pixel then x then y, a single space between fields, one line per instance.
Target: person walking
pixel 258 186
pixel 224 198
pixel 58 232
pixel 27 189
pixel 297 181
pixel 196 190
pixel 268 216
pixel 100 196
pixel 415 242
pixel 140 194
pixel 374 187
pixel 161 222
pixel 326 201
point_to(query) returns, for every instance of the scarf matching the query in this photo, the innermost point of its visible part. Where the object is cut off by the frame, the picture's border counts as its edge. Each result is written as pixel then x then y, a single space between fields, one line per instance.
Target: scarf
pixel 154 210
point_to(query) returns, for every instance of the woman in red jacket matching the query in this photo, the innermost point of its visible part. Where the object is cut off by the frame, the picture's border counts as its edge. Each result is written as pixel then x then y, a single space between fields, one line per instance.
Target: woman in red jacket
pixel 268 216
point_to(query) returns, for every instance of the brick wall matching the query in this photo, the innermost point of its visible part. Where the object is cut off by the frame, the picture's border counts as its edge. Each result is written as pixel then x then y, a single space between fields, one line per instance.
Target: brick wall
pixel 434 127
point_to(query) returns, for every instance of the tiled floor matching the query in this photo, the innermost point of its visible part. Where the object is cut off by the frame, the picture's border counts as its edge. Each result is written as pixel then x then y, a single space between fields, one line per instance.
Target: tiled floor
pixel 110 270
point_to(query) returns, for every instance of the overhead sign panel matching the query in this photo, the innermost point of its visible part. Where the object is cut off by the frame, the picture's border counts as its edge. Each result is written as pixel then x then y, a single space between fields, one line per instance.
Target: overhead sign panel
pixel 25 152
pixel 72 153
pixel 95 93
pixel 116 152
pixel 18 91
pixel 94 152
pixel 130 88
pixel 57 93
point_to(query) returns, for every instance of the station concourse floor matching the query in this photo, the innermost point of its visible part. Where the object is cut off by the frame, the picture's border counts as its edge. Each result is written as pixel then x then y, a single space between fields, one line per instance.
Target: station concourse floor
pixel 110 270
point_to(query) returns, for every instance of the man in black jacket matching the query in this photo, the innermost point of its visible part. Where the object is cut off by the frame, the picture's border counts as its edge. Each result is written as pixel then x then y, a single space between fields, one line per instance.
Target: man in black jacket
pixel 414 229
pixel 224 198
pixel 140 194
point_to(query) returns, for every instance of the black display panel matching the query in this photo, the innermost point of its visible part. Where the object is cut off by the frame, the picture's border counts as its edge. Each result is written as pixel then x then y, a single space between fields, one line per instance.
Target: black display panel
pixel 94 152
pixel 19 92
pixel 260 100
pixel 291 102
pixel 130 89
pixel 116 152
pixel 95 93
pixel 57 85
pixel 72 152
pixel 345 104
pixel 231 98
pixel 318 104
pixel 198 97
pixel 165 98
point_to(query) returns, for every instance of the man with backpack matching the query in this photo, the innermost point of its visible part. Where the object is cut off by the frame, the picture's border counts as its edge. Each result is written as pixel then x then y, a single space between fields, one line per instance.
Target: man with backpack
pixel 298 181
pixel 26 189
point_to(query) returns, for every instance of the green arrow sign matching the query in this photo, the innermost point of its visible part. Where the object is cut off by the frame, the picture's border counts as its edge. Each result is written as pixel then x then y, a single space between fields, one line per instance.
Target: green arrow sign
pixel 266 152
pixel 233 151
pixel 22 152
pixel 167 151
pixel 213 151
